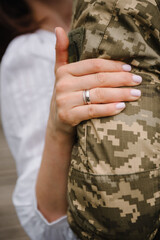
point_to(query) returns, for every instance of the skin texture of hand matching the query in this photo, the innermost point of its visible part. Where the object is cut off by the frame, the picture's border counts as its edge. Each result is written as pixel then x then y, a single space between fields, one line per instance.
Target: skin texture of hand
pixel 103 78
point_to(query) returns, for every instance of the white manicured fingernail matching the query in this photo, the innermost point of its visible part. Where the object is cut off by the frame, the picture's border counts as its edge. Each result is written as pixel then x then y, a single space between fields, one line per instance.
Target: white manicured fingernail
pixel 120 105
pixel 135 92
pixel 127 67
pixel 137 78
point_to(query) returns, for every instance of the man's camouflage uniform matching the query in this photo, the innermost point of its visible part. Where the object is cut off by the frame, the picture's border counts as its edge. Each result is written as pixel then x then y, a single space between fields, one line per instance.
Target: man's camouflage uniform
pixel 114 179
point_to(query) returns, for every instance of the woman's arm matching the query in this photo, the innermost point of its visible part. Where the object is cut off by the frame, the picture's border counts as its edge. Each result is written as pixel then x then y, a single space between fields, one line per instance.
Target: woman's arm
pixel 52 178
pixel 27 81
pixel 67 110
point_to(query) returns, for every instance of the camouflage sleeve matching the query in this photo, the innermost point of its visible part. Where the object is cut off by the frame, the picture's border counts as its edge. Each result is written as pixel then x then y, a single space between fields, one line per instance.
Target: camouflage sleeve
pixel 114 178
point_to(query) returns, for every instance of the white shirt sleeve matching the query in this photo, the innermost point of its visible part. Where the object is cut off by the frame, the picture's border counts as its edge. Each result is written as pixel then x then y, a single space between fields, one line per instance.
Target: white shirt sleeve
pixel 27 80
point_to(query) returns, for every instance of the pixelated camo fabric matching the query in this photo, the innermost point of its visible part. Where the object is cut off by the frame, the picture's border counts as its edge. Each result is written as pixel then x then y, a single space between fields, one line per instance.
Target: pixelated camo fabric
pixel 114 178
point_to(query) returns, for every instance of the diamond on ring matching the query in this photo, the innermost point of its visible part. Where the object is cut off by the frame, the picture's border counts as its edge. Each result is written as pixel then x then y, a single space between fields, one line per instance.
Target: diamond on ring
pixel 86 97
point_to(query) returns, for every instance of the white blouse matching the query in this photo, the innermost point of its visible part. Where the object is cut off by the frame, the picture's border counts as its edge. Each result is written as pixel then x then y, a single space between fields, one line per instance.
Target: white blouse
pixel 27 80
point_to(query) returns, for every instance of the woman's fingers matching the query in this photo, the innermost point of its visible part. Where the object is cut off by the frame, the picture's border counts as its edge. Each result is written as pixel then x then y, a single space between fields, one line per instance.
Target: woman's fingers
pixel 97 96
pixel 99 80
pixel 108 80
pixel 81 113
pixel 103 79
pixel 109 95
pixel 61 47
pixel 91 66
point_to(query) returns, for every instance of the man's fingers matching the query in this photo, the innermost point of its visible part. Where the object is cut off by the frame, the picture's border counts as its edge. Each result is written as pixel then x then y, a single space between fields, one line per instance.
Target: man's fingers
pixel 61 47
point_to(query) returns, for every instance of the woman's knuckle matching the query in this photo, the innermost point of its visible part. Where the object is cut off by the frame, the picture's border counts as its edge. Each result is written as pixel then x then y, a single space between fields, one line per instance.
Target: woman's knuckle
pixel 91 111
pixel 65 117
pixel 124 94
pixel 126 78
pixel 117 65
pixel 74 123
pixel 100 78
pixel 59 87
pixel 62 85
pixel 62 115
pixel 61 72
pixel 60 101
pixel 96 63
pixel 99 93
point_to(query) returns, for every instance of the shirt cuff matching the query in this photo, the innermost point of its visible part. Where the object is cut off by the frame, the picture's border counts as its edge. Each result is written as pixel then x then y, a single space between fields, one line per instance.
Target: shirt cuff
pixel 40 215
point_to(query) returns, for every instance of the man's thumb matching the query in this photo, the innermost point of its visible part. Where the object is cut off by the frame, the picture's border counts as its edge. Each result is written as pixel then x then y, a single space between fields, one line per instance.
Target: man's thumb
pixel 61 47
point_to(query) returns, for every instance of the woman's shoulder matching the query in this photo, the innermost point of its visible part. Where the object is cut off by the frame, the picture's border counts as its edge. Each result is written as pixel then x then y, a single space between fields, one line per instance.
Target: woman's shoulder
pixel 40 44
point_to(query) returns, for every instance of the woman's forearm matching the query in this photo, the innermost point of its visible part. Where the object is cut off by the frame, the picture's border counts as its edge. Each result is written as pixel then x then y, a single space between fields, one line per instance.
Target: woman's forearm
pixel 51 188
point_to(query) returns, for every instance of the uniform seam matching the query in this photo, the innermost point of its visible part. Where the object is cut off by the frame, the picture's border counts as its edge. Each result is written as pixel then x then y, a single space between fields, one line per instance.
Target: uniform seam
pixel 113 9
pixel 110 175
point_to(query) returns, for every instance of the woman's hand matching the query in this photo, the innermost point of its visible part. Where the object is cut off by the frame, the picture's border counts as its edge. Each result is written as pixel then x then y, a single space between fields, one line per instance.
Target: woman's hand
pixel 103 79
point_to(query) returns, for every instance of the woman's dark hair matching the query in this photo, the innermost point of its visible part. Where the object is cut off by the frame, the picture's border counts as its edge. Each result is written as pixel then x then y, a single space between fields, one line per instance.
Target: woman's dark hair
pixel 16 18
